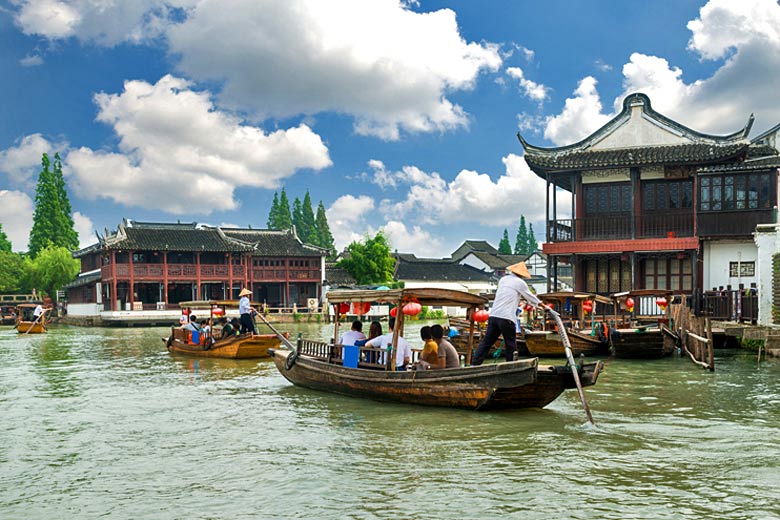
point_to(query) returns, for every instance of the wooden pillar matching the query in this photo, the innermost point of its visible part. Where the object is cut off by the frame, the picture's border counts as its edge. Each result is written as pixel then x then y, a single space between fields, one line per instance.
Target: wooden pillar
pixel 229 295
pixel 250 275
pixel 113 281
pixel 287 282
pixel 636 201
pixel 132 278
pixel 197 277
pixel 165 278
pixel 547 210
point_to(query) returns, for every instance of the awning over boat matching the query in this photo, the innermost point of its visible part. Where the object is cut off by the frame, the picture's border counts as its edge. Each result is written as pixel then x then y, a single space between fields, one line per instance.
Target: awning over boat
pixel 423 295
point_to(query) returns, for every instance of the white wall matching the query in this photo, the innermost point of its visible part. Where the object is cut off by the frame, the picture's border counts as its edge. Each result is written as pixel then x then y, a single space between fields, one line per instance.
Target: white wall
pixel 767 240
pixel 717 256
pixel 476 263
pixel 84 309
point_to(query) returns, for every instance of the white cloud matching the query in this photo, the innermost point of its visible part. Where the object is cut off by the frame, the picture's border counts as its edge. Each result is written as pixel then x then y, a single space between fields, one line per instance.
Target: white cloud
pixel 535 91
pixel 581 115
pixel 414 240
pixel 31 61
pixel 21 163
pixel 85 228
pixel 16 210
pixel 745 34
pixel 388 67
pixel 470 197
pixel 195 156
pixel 345 216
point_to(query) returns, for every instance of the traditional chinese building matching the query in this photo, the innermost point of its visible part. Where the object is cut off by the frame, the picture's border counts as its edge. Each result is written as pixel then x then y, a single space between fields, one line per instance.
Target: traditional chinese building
pixel 144 266
pixel 657 205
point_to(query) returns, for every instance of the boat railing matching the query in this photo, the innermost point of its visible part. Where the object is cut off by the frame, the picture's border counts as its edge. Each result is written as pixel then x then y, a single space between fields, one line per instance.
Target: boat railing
pixel 368 357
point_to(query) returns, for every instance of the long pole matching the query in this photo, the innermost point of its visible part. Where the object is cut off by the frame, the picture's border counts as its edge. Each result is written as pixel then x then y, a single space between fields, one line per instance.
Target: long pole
pixel 281 336
pixel 572 364
pixel 36 321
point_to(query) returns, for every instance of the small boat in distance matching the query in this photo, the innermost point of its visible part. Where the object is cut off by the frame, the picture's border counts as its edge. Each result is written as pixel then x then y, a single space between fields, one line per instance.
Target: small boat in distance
pixel 642 336
pixel 26 322
pixel 352 370
pixel 211 344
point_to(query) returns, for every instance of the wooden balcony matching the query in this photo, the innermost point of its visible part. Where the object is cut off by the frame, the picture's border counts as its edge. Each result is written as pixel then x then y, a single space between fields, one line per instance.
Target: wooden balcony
pixel 155 272
pixel 621 227
pixel 276 274
pixel 733 223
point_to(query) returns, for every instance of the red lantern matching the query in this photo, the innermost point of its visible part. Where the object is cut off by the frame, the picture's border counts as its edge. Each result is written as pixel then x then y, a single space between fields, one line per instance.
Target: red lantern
pixel 481 316
pixel 343 308
pixel 412 309
pixel 661 302
pixel 393 311
pixel 528 307
pixel 587 306
pixel 630 304
pixel 360 308
pixel 218 311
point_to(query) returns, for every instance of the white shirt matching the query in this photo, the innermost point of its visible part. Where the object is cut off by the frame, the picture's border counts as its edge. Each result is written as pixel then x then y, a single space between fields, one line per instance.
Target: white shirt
pixel 243 305
pixel 350 337
pixel 38 311
pixel 403 350
pixel 510 289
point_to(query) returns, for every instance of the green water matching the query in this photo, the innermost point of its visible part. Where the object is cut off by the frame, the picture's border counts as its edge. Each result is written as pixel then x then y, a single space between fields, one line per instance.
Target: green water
pixel 104 423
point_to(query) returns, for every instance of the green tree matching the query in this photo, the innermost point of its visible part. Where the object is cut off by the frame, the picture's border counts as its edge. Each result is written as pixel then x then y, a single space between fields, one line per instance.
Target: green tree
pixel 369 261
pixel 324 236
pixel 52 268
pixel 284 221
pixel 273 213
pixel 533 245
pixel 503 247
pixel 297 215
pixel 308 229
pixel 12 272
pixel 52 219
pixel 521 241
pixel 5 244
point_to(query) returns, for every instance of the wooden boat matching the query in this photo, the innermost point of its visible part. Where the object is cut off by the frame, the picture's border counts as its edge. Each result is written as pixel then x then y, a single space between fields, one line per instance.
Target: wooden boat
pixel 644 339
pixel 26 323
pixel 590 342
pixel 345 370
pixel 7 315
pixel 244 346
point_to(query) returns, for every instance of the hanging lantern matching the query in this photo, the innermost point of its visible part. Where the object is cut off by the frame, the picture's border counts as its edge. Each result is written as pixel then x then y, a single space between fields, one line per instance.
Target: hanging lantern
pixel 630 304
pixel 412 309
pixel 393 311
pixel 528 307
pixel 481 316
pixel 587 306
pixel 343 308
pixel 360 308
pixel 217 311
pixel 662 303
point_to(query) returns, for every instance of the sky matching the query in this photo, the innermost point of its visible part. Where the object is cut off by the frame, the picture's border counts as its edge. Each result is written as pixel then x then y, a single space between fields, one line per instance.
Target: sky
pixel 399 116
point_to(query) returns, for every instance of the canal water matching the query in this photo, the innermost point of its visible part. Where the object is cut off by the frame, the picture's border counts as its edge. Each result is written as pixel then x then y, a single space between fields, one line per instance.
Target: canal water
pixel 105 423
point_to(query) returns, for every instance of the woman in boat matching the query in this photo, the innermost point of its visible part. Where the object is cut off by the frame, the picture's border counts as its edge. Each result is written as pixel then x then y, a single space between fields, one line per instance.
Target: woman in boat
pixel 374 331
pixel 447 356
pixel 430 351
pixel 246 311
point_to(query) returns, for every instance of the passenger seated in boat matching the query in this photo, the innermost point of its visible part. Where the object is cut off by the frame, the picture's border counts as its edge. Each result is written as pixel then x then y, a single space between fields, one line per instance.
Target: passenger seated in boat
pixel 236 326
pixel 403 352
pixel 447 354
pixel 430 351
pixel 228 331
pixel 374 331
pixel 193 323
pixel 355 334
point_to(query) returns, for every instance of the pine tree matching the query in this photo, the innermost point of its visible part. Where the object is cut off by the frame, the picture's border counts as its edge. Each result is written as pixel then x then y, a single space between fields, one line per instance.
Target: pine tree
pixel 5 244
pixel 521 241
pixel 297 216
pixel 66 234
pixel 52 219
pixel 324 236
pixel 503 247
pixel 284 221
pixel 273 213
pixel 308 230
pixel 532 244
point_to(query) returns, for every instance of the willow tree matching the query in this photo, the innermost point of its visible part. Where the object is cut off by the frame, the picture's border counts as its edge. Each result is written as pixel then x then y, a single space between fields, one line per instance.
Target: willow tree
pixel 52 219
pixel 369 261
pixel 52 268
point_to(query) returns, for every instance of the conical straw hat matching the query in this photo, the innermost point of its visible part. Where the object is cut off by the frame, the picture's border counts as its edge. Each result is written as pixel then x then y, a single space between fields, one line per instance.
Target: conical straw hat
pixel 519 269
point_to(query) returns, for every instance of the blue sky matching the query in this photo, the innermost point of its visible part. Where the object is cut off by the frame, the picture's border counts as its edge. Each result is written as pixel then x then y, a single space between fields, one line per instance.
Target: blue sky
pixel 400 116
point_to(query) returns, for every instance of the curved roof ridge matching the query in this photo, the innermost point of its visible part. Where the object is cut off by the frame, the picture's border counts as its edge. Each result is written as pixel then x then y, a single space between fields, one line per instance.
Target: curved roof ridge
pixel 630 101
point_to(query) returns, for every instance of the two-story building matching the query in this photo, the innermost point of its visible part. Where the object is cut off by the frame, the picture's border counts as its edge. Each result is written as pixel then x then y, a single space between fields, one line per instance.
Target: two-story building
pixel 145 266
pixel 655 204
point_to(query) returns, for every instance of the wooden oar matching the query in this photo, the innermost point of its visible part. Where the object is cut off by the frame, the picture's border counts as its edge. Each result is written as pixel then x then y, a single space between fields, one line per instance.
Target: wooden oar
pixel 278 334
pixel 570 358
pixel 36 321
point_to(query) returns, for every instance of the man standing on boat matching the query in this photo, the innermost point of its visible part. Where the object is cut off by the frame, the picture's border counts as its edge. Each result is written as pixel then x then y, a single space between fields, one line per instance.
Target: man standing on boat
pixel 245 309
pixel 511 288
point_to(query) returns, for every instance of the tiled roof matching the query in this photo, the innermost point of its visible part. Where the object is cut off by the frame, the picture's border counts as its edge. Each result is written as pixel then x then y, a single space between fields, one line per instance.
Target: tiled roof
pixel 496 261
pixel 166 238
pixel 84 279
pixel 337 277
pixel 270 242
pixel 470 246
pixel 697 153
pixel 764 163
pixel 438 270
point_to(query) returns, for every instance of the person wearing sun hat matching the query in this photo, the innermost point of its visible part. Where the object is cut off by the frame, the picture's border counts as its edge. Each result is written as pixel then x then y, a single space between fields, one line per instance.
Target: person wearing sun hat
pixel 501 321
pixel 245 310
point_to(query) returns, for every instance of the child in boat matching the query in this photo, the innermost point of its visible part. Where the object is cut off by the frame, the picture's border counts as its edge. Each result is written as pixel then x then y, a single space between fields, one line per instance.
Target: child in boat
pixel 430 351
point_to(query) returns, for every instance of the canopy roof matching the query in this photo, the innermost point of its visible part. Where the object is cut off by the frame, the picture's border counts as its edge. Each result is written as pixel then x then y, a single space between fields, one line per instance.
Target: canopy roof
pixel 425 296
pixel 561 296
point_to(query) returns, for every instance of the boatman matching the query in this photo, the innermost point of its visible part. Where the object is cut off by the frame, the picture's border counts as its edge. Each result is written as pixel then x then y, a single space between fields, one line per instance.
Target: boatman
pixel 244 308
pixel 501 322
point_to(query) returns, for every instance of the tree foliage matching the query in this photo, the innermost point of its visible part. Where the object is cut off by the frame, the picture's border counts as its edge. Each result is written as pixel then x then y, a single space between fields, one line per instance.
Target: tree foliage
pixel 52 219
pixel 279 215
pixel 273 212
pixel 308 228
pixel 52 268
pixel 369 261
pixel 504 248
pixel 12 272
pixel 533 245
pixel 324 236
pixel 521 240
pixel 5 244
